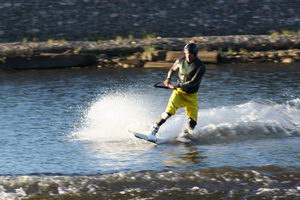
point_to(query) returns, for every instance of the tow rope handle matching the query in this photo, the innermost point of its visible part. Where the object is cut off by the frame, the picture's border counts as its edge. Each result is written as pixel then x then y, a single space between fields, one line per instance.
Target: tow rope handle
pixel 159 85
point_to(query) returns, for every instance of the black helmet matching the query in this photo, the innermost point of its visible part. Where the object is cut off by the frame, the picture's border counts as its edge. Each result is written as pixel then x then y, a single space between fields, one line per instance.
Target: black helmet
pixel 191 48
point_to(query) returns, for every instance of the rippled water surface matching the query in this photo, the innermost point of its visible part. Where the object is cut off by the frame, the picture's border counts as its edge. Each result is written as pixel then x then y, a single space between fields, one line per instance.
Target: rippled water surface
pixel 75 121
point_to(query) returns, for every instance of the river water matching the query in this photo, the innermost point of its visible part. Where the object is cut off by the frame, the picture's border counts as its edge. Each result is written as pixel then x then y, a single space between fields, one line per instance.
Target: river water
pixel 64 135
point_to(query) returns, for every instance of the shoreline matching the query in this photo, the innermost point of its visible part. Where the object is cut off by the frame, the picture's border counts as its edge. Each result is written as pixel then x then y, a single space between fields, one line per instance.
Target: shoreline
pixel 140 52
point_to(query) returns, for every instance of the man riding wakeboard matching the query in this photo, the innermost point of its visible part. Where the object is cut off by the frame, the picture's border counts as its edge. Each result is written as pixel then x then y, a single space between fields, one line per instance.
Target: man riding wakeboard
pixel 185 93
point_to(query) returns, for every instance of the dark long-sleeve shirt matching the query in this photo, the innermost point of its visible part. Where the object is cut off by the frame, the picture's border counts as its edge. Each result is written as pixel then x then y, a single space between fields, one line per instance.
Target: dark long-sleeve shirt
pixel 189 74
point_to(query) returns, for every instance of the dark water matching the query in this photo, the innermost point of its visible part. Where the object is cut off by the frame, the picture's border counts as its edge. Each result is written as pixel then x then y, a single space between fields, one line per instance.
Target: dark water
pixel 64 135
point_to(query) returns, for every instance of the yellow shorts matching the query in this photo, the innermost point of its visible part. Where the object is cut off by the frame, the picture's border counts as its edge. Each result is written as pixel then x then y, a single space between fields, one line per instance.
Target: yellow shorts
pixel 180 99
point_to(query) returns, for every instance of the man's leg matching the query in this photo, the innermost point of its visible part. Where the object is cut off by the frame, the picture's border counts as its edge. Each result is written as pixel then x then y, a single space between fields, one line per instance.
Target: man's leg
pixel 161 121
pixel 163 118
pixel 174 103
pixel 192 113
pixel 191 124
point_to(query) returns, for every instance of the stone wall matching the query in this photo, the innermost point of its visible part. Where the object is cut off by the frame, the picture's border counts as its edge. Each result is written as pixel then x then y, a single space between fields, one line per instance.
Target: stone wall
pixel 106 19
pixel 138 52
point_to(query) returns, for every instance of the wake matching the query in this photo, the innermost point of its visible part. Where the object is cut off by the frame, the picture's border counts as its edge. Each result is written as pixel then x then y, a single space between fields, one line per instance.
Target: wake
pixel 253 120
pixel 110 117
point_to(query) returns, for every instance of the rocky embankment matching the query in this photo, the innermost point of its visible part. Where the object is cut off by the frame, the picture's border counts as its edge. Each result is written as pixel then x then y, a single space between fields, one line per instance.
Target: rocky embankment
pixel 156 52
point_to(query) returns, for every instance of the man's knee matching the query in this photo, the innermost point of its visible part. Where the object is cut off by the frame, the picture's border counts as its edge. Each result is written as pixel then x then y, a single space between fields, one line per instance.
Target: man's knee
pixel 163 118
pixel 166 115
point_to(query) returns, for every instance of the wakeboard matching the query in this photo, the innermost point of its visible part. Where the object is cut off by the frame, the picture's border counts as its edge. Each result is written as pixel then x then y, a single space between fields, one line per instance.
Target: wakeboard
pixel 159 140
pixel 145 137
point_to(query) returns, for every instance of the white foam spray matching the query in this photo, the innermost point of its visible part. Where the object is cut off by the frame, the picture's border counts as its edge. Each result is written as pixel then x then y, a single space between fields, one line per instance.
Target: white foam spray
pixel 110 117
